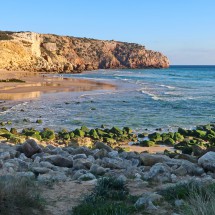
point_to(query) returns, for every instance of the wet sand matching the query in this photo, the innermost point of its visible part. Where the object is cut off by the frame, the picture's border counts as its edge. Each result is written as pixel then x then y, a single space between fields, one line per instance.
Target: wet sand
pixel 38 83
pixel 151 149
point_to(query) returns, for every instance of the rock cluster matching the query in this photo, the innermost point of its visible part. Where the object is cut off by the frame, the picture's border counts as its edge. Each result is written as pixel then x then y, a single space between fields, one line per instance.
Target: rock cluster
pixel 81 163
pixel 47 52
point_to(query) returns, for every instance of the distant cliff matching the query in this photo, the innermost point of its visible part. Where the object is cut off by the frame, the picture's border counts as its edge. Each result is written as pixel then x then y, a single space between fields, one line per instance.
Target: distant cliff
pixel 48 52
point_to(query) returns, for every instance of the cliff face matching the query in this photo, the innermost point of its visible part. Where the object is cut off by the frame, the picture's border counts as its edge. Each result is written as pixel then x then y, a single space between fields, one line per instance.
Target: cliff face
pixel 47 52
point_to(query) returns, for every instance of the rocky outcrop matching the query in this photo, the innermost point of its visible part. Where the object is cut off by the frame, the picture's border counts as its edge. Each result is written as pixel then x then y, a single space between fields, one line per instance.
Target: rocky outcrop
pixel 48 52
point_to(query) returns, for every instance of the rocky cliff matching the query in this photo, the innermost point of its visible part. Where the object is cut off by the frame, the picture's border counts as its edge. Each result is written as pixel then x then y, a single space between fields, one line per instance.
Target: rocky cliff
pixel 48 52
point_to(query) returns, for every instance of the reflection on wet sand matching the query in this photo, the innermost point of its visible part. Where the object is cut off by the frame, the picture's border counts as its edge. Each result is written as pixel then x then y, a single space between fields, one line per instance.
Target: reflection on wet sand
pixel 19 96
pixel 37 84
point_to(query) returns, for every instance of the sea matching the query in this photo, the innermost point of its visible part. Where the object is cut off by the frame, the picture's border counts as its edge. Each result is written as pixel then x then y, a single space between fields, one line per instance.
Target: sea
pixel 144 99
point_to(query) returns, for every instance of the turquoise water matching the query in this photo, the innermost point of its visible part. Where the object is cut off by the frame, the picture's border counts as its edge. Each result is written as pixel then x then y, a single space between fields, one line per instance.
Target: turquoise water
pixel 180 96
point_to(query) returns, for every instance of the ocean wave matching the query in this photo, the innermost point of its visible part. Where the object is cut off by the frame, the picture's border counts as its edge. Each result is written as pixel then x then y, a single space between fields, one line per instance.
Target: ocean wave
pixel 167 86
pixel 174 94
pixel 153 96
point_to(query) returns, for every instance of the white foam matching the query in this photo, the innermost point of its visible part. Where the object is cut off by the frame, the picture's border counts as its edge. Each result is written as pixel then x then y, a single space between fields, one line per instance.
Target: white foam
pixel 167 86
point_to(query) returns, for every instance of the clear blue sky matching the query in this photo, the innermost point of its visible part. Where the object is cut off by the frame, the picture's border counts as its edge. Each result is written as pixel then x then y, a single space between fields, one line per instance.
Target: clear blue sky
pixel 184 30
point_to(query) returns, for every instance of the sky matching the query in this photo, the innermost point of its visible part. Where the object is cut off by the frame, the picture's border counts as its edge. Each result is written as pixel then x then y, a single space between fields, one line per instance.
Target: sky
pixel 183 30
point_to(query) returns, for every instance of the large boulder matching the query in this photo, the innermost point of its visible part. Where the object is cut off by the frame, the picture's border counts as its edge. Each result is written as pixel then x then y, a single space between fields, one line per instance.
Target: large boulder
pixel 207 161
pixel 160 172
pixel 151 159
pixel 100 145
pixel 116 163
pixel 30 147
pixel 58 160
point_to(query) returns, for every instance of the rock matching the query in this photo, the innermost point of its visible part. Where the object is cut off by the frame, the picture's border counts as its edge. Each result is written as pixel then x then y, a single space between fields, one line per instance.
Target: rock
pixel 79 132
pixel 82 163
pixel 52 177
pixel 207 161
pixel 40 170
pixel 22 156
pixel 178 137
pixel 47 164
pixel 182 131
pixel 93 134
pixel 58 160
pixel 135 162
pixel 181 171
pixel 198 150
pixel 97 170
pixel 79 173
pixel 150 159
pixel 116 130
pixel 37 159
pixel 47 134
pixel 50 46
pixel 140 183
pixel 179 202
pixel 87 177
pixel 191 168
pixel 137 176
pixel 30 147
pixel 169 142
pixel 1 163
pixel 173 178
pixel 100 145
pixel 4 155
pixel 147 201
pixel 101 153
pixel 155 137
pixel 187 157
pixel 82 150
pixel 79 156
pixel 147 143
pixel 122 178
pixel 55 151
pixel 160 172
pixel 113 154
pixel 116 163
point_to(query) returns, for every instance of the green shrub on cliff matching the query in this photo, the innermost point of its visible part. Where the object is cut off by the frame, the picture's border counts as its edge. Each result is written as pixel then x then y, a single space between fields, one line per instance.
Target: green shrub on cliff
pixel 5 36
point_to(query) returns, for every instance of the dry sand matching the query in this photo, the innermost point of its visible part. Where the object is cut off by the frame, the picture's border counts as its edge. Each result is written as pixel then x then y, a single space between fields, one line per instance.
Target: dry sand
pixel 38 83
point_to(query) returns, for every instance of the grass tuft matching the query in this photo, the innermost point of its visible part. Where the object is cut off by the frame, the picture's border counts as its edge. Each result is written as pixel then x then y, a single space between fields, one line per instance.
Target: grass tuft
pixel 19 196
pixel 109 197
pixel 200 201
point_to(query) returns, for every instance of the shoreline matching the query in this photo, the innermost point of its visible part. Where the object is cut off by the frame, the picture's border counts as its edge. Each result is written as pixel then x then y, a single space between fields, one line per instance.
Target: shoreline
pixel 36 84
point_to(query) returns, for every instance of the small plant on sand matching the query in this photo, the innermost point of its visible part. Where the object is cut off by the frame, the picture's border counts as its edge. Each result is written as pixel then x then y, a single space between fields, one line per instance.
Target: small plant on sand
pixel 19 196
pixel 109 197
pixel 111 188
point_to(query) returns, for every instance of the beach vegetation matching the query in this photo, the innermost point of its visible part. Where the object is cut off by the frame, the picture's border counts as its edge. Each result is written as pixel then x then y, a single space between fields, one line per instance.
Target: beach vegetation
pixel 39 121
pixel 13 80
pixel 47 134
pixel 4 35
pixel 20 196
pixel 109 197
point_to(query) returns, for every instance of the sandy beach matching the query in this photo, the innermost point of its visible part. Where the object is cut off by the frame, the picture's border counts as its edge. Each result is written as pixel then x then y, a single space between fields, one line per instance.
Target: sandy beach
pixel 36 84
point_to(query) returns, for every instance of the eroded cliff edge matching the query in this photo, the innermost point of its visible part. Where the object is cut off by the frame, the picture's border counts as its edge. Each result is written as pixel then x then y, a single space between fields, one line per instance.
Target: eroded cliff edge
pixel 47 52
